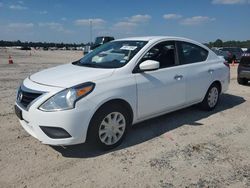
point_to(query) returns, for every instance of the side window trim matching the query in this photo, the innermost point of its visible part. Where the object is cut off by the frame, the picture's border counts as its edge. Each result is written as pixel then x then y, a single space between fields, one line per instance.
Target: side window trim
pixel 177 59
pixel 180 52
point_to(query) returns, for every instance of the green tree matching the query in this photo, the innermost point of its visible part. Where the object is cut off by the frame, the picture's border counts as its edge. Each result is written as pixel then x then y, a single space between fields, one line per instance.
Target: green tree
pixel 218 43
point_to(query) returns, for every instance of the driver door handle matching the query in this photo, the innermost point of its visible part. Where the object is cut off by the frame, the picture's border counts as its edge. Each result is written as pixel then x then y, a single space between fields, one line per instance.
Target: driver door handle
pixel 178 77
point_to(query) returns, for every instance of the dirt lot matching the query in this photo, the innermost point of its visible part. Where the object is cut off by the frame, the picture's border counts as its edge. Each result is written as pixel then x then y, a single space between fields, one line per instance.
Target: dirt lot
pixel 188 148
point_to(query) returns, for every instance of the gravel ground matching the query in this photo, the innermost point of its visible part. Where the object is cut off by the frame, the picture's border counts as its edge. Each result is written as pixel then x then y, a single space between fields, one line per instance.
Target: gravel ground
pixel 187 148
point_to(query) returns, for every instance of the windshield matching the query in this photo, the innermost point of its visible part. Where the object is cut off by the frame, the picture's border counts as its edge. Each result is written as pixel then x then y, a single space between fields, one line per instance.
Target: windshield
pixel 112 55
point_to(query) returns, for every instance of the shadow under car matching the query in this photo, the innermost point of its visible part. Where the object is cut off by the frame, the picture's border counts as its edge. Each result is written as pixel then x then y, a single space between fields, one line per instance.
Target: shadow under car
pixel 155 127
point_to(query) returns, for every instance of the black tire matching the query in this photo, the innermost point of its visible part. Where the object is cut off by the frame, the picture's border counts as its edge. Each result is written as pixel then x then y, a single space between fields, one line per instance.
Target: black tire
pixel 96 121
pixel 205 105
pixel 242 81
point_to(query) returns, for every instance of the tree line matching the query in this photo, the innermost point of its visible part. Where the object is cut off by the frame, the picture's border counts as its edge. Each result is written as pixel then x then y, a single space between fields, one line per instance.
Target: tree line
pixel 39 44
pixel 231 43
pixel 217 43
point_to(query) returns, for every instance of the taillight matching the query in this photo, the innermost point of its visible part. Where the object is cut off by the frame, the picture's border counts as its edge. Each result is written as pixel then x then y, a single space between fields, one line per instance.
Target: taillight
pixel 227 64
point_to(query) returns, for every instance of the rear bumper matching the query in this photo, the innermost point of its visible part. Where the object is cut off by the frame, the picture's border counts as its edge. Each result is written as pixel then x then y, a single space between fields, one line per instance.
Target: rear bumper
pixel 244 72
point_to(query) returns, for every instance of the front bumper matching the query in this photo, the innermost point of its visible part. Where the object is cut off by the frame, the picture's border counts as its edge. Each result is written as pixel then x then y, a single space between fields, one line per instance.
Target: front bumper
pixel 75 121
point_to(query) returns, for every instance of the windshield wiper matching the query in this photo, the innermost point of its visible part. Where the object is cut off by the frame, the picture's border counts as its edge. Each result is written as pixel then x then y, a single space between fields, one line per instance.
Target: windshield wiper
pixel 94 65
pixel 76 62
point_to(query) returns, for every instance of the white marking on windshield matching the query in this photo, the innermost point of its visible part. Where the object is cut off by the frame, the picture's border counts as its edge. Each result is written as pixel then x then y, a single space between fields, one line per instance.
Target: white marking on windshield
pixel 130 48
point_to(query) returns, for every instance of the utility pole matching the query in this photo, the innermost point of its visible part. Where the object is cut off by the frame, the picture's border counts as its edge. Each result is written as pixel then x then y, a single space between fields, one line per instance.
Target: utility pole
pixel 90 27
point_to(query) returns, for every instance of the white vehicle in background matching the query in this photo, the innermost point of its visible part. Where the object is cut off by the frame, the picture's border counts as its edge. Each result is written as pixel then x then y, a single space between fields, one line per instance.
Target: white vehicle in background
pixel 121 83
pixel 244 49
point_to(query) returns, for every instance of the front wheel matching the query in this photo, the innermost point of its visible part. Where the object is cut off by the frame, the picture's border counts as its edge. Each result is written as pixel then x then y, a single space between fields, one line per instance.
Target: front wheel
pixel 108 127
pixel 211 99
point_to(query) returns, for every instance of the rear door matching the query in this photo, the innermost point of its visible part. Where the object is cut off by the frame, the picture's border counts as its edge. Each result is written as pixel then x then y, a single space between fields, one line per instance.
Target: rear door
pixel 198 70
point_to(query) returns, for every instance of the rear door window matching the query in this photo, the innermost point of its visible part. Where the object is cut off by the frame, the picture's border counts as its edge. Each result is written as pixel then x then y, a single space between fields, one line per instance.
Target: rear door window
pixel 191 53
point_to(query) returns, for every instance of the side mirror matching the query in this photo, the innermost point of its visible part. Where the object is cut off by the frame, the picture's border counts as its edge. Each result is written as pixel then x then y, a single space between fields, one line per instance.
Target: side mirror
pixel 149 65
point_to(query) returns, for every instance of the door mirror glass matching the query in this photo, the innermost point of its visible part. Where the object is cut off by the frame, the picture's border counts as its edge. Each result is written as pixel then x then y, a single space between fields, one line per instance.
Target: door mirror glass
pixel 149 65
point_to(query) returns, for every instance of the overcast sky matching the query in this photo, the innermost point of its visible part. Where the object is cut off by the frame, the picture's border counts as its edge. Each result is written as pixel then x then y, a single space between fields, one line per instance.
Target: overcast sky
pixel 69 21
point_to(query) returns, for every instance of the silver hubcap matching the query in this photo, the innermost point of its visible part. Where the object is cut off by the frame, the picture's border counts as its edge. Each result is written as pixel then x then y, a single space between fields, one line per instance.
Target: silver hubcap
pixel 112 128
pixel 213 97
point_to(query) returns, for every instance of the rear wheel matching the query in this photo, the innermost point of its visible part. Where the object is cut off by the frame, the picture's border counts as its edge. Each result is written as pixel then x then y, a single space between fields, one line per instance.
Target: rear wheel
pixel 211 99
pixel 242 81
pixel 108 126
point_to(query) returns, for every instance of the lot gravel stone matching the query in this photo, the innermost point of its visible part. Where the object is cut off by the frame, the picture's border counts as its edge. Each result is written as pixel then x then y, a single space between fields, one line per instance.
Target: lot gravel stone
pixel 187 148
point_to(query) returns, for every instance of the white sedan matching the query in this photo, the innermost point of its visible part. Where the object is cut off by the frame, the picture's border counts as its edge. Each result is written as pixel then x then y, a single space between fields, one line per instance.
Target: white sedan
pixel 121 83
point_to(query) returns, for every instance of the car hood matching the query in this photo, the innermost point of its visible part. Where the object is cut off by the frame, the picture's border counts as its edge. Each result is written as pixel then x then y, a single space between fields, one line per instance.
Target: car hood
pixel 69 75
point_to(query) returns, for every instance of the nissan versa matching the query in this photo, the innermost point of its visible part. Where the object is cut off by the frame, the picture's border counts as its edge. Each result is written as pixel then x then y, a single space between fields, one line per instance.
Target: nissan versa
pixel 120 83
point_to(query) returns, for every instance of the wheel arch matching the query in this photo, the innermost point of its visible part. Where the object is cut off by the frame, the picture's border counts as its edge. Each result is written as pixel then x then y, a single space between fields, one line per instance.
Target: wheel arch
pixel 115 101
pixel 121 102
pixel 218 83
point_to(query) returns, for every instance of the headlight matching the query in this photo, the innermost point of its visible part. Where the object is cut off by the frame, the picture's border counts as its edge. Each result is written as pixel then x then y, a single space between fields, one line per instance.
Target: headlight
pixel 67 98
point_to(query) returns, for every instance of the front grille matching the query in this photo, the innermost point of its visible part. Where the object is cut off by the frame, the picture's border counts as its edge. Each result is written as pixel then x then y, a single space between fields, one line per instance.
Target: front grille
pixel 26 97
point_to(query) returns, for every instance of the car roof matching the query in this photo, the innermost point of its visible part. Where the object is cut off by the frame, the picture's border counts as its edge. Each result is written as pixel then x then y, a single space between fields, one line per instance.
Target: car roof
pixel 159 38
pixel 149 38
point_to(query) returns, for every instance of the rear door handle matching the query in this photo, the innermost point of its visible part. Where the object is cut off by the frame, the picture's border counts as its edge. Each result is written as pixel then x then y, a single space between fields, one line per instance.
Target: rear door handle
pixel 178 77
pixel 211 71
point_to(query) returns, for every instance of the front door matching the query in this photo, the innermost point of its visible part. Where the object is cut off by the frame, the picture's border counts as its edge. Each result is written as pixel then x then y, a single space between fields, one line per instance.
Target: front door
pixel 163 89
